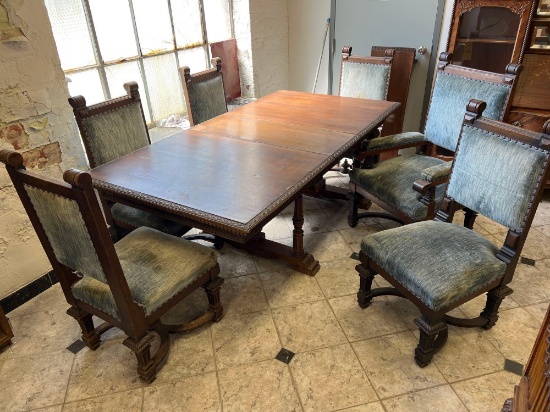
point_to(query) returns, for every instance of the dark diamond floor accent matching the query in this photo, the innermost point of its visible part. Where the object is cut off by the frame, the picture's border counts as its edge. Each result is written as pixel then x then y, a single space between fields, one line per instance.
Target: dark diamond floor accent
pixel 354 255
pixel 285 356
pixel 527 261
pixel 514 367
pixel 76 346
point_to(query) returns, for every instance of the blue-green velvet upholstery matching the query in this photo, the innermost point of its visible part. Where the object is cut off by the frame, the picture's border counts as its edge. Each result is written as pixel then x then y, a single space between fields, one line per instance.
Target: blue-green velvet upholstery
pixel 437 262
pixel 391 181
pixel 66 231
pixel 437 172
pixel 450 95
pixel 364 80
pixel 207 99
pixel 496 176
pixel 156 267
pixel 116 132
pixel 393 141
pixel 136 218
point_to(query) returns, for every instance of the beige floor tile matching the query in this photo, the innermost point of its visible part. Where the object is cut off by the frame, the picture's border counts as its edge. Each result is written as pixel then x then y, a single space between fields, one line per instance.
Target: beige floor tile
pixel 467 354
pixel 53 299
pixel 536 245
pixel 43 331
pixel 235 262
pixel 490 225
pixel 390 366
pixel 538 311
pixel 487 393
pixel 437 399
pixel 263 386
pixel 369 407
pixel 188 309
pixel 243 339
pixel 110 368
pixel 56 408
pixel 339 218
pixel 308 326
pixel 353 237
pixel 340 204
pixel 514 334
pixel 35 381
pixel 338 278
pixel 544 229
pixel 129 401
pixel 190 354
pixel 474 307
pixel 196 393
pixel 283 289
pixel 531 283
pixel 243 294
pixel 330 378
pixel 378 319
pixel 278 228
pixel 542 216
pixel 308 203
pixel 404 308
pixel 315 221
pixel 326 247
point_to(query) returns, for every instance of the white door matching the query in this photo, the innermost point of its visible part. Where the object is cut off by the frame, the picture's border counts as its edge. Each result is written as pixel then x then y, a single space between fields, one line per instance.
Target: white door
pixel 397 23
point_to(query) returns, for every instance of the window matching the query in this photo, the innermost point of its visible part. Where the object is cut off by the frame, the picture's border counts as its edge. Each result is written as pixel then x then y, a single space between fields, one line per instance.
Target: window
pixel 103 44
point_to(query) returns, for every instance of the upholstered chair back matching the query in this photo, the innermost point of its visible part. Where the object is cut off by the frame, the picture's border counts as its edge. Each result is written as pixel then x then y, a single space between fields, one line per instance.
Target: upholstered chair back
pixel 113 128
pixel 496 176
pixel 365 77
pixel 453 88
pixel 204 93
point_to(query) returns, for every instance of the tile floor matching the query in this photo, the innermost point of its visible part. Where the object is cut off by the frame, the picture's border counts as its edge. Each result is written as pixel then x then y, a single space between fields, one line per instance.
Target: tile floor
pixel 347 359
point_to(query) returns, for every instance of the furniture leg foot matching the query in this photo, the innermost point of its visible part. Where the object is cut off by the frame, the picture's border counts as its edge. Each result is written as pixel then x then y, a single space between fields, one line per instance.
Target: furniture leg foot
pixel 494 299
pixel 212 290
pixel 90 336
pixel 366 276
pixel 433 335
pixel 147 368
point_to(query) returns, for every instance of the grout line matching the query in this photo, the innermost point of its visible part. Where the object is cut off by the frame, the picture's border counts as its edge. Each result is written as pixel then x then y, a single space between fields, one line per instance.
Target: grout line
pixel 216 367
pixel 69 380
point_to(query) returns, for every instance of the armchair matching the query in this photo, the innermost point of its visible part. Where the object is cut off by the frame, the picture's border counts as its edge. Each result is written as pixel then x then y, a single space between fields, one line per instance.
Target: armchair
pixel 499 171
pixel 130 284
pixel 411 187
pixel 204 94
pixel 112 129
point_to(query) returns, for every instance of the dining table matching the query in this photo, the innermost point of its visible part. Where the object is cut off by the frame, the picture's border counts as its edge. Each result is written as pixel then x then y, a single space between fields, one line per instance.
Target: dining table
pixel 231 175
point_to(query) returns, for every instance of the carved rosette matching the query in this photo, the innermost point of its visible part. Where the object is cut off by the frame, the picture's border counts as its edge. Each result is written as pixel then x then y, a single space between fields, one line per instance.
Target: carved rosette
pixel 517 6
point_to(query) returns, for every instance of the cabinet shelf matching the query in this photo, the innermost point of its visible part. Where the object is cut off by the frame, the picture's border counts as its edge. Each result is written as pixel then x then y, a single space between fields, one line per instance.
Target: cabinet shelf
pixel 486 41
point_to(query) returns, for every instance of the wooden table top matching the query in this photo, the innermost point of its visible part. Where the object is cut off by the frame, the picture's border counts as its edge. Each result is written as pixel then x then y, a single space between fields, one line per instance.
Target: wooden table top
pixel 236 170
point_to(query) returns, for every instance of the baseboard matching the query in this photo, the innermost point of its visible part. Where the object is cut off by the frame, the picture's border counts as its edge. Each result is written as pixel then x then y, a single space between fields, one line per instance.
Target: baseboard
pixel 27 292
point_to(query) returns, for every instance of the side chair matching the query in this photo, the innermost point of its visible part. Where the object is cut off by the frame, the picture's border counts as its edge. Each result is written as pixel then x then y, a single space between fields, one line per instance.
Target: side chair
pixel 498 171
pixel 204 94
pixel 129 284
pixel 112 129
pixel 411 187
pixel 5 330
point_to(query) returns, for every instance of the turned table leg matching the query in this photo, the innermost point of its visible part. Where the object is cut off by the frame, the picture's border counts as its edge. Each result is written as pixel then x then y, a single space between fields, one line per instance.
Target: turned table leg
pixel 298 232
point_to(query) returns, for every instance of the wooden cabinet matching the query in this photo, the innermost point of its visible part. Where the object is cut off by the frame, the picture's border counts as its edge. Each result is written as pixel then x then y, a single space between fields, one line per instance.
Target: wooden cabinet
pixel 489 34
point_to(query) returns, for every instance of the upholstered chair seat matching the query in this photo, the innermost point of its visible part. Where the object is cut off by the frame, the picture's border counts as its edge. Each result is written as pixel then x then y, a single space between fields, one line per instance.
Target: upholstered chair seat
pixel 391 181
pixel 152 263
pixel 418 193
pixel 498 171
pixel 464 260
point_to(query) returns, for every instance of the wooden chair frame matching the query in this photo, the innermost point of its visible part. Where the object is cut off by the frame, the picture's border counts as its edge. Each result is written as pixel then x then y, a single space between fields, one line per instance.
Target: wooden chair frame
pixel 6 332
pixel 188 78
pixel 359 197
pixel 133 321
pixel 433 324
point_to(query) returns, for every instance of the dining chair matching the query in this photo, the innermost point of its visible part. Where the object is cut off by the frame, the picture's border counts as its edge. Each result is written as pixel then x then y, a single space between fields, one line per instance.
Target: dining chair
pixel 129 284
pixel 112 129
pixel 498 171
pixel 6 333
pixel 410 187
pixel 204 94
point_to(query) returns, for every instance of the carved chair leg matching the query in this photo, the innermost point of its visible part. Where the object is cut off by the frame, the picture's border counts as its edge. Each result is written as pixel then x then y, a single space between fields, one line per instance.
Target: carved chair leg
pixel 494 299
pixel 433 335
pixel 147 368
pixel 366 275
pixel 354 199
pixel 212 290
pixel 90 336
pixel 469 218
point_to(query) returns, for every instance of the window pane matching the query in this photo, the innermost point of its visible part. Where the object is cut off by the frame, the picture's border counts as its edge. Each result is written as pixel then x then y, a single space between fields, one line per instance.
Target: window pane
pixel 87 84
pixel 114 29
pixel 194 58
pixel 154 27
pixel 164 86
pixel 187 22
pixel 218 23
pixel 70 31
pixel 118 74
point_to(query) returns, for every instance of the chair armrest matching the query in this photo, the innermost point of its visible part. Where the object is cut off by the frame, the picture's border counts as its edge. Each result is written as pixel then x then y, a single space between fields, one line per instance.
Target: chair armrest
pixel 436 173
pixel 394 141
